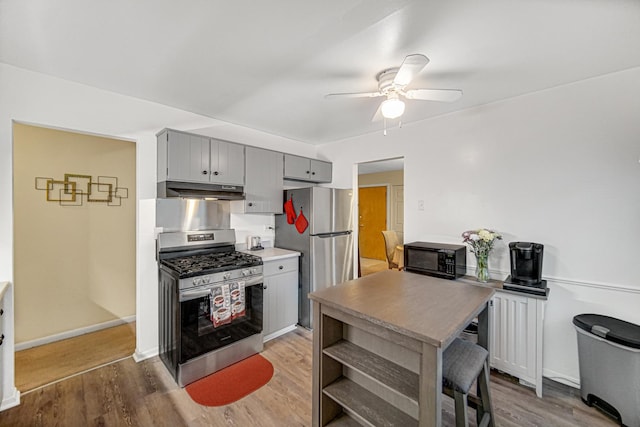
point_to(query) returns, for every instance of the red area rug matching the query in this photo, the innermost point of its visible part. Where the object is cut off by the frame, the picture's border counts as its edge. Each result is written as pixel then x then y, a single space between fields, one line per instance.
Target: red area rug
pixel 232 383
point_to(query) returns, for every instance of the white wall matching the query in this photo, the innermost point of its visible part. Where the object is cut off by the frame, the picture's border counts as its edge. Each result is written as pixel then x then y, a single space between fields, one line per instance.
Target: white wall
pixel 559 167
pixel 39 99
pixel 581 140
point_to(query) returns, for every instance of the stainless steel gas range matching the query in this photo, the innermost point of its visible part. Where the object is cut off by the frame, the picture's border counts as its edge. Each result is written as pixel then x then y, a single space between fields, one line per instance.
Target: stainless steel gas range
pixel 210 303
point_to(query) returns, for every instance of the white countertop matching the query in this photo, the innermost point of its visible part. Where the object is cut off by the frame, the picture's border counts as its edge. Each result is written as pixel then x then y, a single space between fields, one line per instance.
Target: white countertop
pixel 272 254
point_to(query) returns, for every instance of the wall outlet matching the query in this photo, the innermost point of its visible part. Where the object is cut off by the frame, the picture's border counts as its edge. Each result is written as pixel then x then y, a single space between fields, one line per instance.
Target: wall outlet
pixel 420 205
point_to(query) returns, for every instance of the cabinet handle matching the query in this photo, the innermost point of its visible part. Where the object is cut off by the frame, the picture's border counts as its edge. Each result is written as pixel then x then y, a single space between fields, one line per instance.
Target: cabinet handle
pixel 1 312
pixel 250 204
pixel 264 287
pixel 280 267
pixel 307 172
pixel 1 339
pixel 204 172
pixel 313 173
pixel 216 173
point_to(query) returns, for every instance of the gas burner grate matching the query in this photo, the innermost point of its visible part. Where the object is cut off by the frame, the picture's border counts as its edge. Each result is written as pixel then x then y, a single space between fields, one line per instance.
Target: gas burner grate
pixel 211 262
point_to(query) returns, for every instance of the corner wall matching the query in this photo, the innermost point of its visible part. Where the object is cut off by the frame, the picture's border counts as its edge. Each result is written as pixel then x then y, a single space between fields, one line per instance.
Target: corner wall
pixel 559 167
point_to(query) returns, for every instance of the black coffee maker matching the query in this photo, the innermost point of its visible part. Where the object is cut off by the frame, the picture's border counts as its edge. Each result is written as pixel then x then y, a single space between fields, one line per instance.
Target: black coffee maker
pixel 526 268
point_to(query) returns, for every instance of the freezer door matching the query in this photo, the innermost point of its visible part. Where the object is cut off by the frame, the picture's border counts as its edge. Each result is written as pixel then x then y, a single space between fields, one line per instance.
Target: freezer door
pixel 331 210
pixel 331 260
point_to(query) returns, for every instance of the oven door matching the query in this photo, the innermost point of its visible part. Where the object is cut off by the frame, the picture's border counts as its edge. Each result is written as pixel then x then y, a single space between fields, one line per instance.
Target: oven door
pixel 198 332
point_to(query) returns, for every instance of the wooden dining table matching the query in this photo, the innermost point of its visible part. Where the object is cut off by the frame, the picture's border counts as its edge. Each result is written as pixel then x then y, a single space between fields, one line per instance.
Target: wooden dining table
pixel 378 343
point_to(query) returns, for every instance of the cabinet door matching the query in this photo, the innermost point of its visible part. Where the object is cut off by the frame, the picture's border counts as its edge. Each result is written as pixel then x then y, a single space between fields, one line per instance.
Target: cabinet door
pixel 187 157
pixel 513 335
pixel 263 186
pixel 3 347
pixel 280 302
pixel 286 300
pixel 320 171
pixel 268 305
pixel 296 167
pixel 280 295
pixel 227 163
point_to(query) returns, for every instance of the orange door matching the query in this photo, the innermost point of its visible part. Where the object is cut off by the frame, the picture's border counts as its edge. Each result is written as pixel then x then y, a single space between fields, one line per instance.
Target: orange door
pixel 372 220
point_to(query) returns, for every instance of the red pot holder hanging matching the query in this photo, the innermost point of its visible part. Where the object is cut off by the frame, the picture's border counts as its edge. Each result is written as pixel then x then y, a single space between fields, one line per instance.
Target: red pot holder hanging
pixel 290 210
pixel 301 223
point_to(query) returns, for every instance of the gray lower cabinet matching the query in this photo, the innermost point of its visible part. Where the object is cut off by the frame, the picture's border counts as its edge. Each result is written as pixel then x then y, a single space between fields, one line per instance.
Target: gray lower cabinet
pixel 2 343
pixel 263 188
pixel 280 297
pixel 195 158
pixel 306 169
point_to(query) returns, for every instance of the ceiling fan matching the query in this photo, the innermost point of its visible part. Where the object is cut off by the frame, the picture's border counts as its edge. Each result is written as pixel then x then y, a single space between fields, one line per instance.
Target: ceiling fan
pixel 392 83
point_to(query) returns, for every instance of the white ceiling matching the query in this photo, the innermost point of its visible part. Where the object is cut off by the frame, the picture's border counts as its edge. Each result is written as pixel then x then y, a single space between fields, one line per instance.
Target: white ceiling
pixel 267 65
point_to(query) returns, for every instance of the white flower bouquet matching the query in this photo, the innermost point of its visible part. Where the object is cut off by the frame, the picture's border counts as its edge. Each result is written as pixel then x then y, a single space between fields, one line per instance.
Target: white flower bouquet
pixel 481 242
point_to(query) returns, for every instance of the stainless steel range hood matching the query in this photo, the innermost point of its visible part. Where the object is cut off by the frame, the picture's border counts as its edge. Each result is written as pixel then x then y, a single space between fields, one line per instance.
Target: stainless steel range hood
pixel 199 190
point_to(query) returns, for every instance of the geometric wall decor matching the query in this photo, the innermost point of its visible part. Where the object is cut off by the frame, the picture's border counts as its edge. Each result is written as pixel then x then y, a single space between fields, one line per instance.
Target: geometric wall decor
pixel 75 189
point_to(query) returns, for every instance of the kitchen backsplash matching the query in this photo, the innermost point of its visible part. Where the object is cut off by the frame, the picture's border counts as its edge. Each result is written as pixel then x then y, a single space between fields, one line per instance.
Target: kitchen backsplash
pixel 262 225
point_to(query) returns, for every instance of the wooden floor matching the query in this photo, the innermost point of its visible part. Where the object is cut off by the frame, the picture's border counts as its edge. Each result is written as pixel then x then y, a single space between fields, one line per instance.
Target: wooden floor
pixel 144 394
pixel 370 266
pixel 47 363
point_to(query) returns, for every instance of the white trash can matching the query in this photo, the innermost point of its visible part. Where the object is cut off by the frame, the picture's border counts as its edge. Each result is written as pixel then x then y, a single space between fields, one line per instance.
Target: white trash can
pixel 609 360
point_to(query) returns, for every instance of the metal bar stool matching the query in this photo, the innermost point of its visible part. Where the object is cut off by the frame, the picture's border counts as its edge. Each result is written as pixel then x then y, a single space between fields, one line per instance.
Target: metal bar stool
pixel 463 362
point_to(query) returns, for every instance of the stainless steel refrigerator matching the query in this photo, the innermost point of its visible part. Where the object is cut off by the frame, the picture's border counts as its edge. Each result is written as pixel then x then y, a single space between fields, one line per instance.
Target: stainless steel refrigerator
pixel 326 245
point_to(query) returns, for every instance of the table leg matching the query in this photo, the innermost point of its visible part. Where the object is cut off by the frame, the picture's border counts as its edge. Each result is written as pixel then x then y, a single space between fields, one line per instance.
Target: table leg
pixel 316 390
pixel 483 340
pixel 483 327
pixel 430 396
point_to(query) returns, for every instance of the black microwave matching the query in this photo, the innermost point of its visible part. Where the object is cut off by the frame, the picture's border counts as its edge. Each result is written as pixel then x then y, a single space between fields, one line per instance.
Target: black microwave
pixel 436 259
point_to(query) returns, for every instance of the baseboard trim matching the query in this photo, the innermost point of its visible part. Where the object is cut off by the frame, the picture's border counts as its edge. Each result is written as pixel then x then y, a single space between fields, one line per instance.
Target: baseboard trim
pixel 73 333
pixel 276 334
pixel 11 401
pixel 561 378
pixel 139 356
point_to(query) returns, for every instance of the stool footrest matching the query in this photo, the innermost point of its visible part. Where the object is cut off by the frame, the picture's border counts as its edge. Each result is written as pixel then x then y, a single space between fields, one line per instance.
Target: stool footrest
pixel 472 400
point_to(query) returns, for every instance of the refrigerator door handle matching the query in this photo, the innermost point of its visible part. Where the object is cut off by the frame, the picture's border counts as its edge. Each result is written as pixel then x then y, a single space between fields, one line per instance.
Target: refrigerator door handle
pixel 327 235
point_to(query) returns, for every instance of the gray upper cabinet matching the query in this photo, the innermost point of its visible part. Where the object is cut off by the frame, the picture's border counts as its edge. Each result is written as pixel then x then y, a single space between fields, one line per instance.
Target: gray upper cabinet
pixel 263 189
pixel 306 169
pixel 194 158
pixel 227 162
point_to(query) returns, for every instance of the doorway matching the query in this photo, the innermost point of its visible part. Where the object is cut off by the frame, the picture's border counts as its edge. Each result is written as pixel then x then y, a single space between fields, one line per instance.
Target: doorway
pixel 74 246
pixel 380 207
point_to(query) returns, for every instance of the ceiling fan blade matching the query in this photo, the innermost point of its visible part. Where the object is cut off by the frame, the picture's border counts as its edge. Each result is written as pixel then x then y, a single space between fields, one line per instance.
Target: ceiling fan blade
pixel 354 95
pixel 442 95
pixel 411 66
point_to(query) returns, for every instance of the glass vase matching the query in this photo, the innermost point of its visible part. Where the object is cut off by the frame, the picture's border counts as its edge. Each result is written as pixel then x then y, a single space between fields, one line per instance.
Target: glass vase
pixel 482 268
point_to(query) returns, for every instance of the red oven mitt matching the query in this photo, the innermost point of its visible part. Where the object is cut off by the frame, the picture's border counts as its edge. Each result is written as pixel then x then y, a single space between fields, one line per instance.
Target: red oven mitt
pixel 290 210
pixel 301 223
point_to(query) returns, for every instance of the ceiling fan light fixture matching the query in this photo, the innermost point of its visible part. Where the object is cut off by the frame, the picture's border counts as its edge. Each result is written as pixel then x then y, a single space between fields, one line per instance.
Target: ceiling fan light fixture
pixel 392 107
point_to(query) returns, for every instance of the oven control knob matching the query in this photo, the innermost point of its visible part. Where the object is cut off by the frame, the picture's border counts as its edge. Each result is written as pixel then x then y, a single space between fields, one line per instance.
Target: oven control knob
pixel 254 271
pixel 245 272
pixel 227 275
pixel 206 279
pixel 197 281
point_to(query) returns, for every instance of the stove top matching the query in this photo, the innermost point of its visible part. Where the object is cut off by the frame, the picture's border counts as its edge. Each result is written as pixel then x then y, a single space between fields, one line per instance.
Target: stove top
pixel 192 265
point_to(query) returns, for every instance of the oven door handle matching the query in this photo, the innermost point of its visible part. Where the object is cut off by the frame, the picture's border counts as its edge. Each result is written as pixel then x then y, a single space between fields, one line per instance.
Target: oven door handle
pixel 203 292
pixel 198 293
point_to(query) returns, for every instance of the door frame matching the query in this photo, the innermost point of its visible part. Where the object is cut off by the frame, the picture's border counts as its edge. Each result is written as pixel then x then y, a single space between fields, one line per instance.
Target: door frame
pixel 355 172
